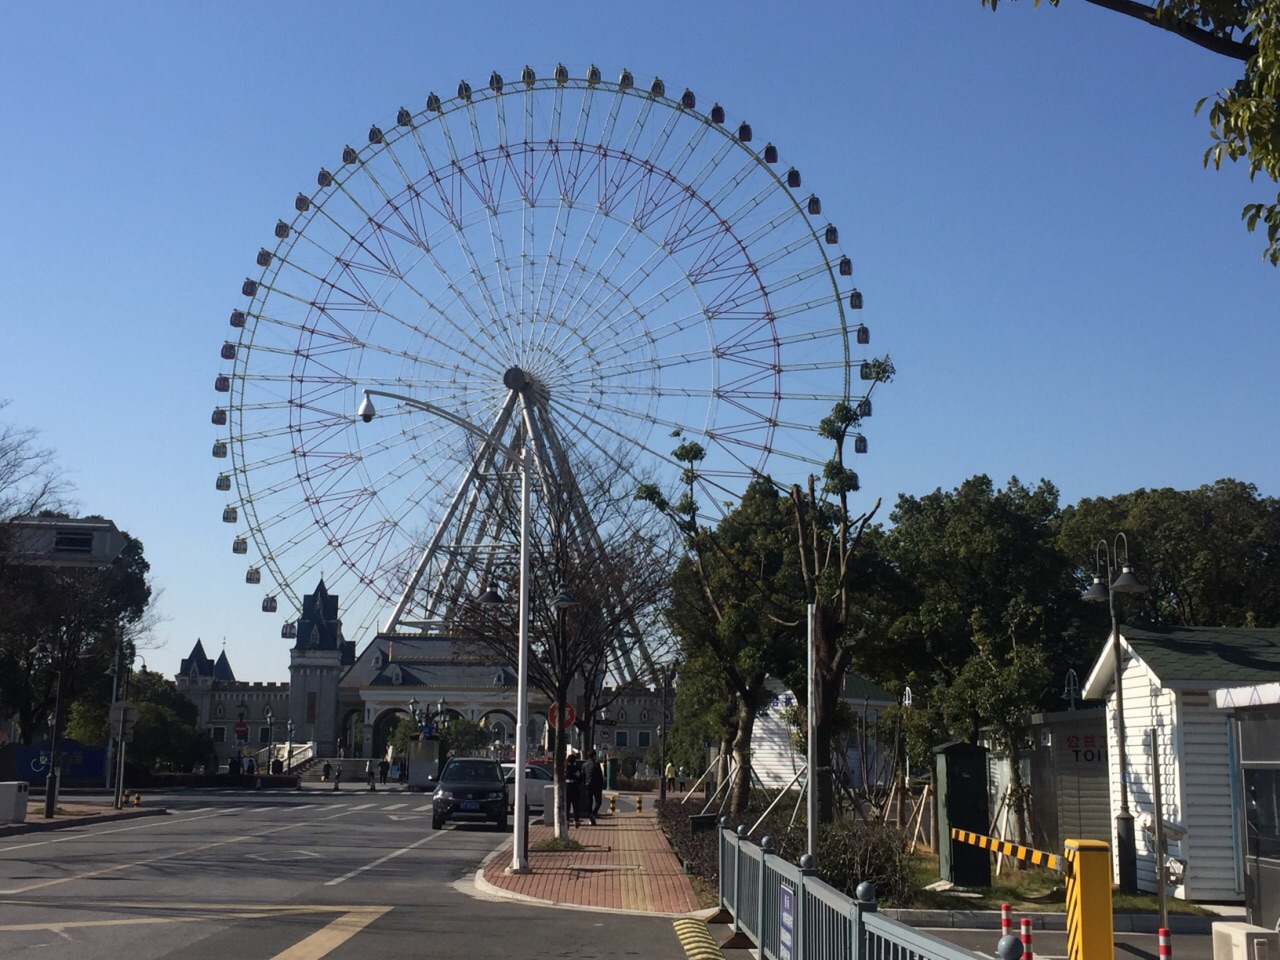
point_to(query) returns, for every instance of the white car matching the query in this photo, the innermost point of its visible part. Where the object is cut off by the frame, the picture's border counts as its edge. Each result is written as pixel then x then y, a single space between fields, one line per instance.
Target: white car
pixel 536 776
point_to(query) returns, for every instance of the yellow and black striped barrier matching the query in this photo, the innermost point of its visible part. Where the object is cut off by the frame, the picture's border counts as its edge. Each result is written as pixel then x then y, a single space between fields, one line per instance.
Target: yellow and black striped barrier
pixel 1087 867
pixel 1040 858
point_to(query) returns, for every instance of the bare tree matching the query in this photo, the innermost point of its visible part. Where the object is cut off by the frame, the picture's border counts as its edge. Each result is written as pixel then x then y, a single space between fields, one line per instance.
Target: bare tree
pixel 29 478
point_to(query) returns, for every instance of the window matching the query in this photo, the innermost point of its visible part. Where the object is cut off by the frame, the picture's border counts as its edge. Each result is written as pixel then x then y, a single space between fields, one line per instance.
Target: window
pixel 311 708
pixel 642 738
pixel 622 716
pixel 621 738
pixel 219 734
pixel 644 716
pixel 264 734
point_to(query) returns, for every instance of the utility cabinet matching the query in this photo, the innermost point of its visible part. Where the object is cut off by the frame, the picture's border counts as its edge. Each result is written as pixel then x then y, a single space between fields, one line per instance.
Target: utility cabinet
pixel 961 778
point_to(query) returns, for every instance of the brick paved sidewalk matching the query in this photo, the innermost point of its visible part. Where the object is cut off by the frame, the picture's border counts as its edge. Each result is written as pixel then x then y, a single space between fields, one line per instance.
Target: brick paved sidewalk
pixel 625 864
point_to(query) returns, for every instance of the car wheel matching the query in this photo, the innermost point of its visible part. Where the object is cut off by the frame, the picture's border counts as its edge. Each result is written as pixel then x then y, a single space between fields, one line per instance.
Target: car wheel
pixel 502 822
pixel 437 823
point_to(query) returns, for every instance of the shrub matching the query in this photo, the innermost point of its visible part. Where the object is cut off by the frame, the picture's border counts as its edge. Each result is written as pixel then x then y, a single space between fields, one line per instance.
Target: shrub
pixel 849 851
pixel 698 851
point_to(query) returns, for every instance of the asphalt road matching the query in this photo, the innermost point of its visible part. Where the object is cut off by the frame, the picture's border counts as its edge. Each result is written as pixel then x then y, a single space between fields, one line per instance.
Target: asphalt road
pixel 298 876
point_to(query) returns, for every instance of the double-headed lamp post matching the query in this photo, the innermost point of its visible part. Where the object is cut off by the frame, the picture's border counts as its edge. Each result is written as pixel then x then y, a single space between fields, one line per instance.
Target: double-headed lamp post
pixel 1123 582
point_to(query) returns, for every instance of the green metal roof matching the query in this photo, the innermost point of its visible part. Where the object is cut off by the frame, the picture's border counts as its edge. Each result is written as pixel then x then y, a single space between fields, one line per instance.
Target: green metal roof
pixel 1206 657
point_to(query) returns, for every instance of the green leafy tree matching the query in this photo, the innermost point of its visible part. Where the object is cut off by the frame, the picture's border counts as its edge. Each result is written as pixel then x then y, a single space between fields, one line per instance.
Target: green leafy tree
pixel 1244 119
pixel 1210 556
pixel 64 626
pixel 725 608
pixel 996 608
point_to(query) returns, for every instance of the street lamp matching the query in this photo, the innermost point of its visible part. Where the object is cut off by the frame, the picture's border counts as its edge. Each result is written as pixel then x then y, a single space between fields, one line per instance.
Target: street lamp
pixel 288 763
pixel 662 733
pixel 271 735
pixel 1124 582
pixel 516 382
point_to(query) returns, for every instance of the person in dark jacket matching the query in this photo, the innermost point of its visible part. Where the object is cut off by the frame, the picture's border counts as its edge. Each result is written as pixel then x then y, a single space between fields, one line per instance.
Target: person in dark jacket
pixel 595 785
pixel 576 788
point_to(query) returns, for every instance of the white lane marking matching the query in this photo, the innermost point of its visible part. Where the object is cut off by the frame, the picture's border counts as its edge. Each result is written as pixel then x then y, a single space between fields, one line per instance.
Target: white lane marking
pixel 262 809
pixel 382 860
pixel 363 806
pixel 158 821
pixel 422 809
pixel 395 806
pixel 199 810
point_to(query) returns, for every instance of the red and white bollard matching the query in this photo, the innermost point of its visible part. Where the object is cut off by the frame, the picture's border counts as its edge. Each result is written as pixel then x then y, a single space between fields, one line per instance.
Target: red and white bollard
pixel 1006 920
pixel 1026 939
pixel 1166 944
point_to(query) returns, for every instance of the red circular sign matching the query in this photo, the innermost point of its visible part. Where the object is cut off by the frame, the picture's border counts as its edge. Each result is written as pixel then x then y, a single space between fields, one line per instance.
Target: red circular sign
pixel 568 714
pixel 241 730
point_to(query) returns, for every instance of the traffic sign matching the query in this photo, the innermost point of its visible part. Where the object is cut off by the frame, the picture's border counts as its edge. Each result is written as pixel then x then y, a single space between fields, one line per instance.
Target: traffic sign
pixel 568 714
pixel 123 715
pixel 241 730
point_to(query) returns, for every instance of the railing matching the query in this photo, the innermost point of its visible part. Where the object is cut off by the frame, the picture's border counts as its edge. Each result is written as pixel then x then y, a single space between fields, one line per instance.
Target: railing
pixel 792 915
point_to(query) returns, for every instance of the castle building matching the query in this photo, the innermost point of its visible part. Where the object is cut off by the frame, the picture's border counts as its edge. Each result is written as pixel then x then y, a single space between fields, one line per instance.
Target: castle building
pixel 344 704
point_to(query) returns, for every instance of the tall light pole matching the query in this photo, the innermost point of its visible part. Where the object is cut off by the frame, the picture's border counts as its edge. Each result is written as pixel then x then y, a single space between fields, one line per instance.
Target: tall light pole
pixel 271 735
pixel 1123 582
pixel 514 379
pixel 563 601
pixel 288 762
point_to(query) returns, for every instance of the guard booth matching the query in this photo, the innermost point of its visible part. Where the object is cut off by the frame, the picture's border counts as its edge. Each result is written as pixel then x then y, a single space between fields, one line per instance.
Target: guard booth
pixel 424 764
pixel 961 778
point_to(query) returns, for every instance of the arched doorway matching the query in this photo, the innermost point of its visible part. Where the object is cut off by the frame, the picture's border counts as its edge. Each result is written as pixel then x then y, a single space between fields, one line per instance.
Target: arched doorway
pixel 500 727
pixel 351 735
pixel 383 727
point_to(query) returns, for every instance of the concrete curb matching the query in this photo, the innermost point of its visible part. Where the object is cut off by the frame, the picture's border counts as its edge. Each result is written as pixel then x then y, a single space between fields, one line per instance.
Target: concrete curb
pixel 990 920
pixel 42 826
pixel 488 889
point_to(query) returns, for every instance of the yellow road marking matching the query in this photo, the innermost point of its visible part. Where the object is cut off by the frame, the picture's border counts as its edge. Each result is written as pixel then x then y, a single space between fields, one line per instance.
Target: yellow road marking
pixel 351 920
pixel 329 938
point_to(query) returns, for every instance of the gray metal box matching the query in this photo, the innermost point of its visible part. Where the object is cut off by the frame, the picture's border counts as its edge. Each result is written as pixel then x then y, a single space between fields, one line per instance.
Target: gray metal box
pixel 13 801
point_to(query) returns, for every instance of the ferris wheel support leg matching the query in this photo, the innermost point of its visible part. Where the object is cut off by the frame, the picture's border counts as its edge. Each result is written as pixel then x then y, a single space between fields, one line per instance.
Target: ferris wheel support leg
pixel 492 445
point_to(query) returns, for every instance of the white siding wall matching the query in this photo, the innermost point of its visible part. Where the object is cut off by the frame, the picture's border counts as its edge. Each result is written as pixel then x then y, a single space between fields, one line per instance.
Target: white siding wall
pixel 1195 769
pixel 1205 791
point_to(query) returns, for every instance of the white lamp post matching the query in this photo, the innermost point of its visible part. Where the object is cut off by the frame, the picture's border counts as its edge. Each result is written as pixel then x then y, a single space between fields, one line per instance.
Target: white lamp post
pixel 514 379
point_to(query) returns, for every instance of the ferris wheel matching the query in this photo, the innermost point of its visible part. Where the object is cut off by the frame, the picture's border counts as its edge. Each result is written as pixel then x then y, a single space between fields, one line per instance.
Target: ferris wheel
pixel 642 269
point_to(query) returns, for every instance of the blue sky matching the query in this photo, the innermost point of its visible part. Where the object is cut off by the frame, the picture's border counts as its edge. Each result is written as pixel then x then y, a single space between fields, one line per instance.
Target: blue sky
pixel 1066 292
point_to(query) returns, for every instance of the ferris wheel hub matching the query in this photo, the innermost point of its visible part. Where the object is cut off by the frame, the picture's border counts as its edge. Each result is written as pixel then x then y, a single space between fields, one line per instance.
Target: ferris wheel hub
pixel 515 379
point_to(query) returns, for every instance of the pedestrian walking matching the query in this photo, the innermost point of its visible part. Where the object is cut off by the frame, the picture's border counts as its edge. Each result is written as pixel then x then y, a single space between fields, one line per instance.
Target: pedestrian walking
pixel 595 785
pixel 384 768
pixel 680 779
pixel 326 771
pixel 670 775
pixel 576 787
pixel 370 772
pixel 337 777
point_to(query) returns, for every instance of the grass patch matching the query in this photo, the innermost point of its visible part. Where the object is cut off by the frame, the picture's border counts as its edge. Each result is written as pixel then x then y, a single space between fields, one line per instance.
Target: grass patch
pixel 1026 891
pixel 556 845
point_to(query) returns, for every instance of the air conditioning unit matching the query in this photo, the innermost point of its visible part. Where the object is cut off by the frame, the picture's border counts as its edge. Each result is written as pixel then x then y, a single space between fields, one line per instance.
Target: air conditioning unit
pixel 1244 941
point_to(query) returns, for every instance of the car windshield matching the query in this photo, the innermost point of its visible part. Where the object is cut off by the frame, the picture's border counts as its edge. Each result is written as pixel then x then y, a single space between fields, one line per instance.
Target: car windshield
pixel 471 771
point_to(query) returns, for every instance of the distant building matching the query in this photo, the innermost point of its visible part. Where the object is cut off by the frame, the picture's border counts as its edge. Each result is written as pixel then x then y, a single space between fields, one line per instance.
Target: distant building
pixel 349 704
pixel 235 714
